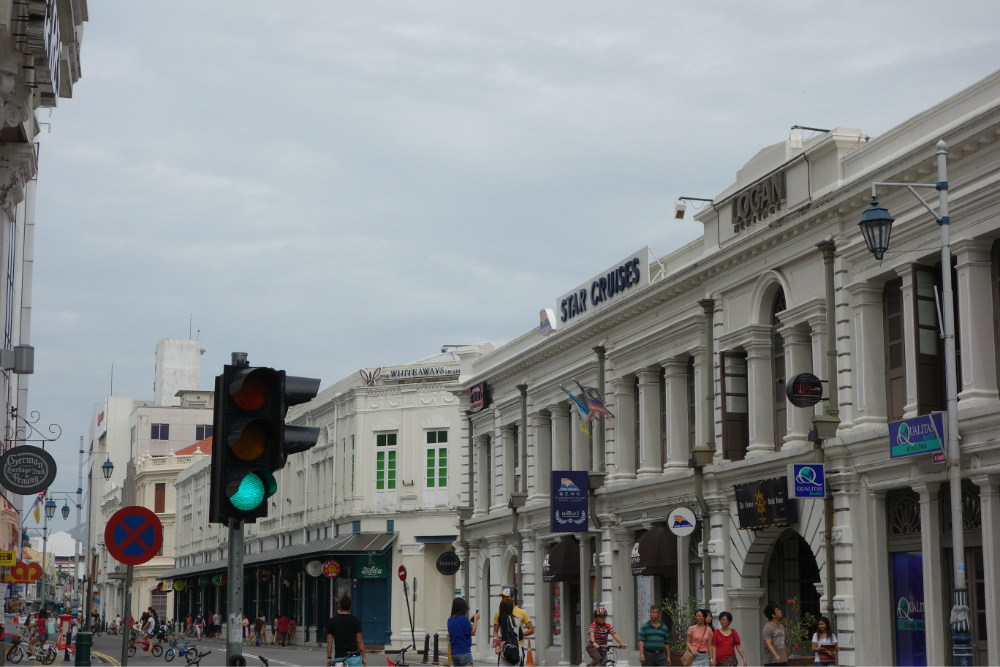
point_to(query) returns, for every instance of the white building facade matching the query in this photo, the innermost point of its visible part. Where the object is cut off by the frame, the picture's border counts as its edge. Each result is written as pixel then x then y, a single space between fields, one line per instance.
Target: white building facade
pixel 380 489
pixel 758 274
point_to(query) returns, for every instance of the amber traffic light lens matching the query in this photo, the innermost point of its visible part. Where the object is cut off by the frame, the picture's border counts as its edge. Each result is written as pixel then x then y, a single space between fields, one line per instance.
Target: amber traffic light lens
pixel 252 394
pixel 252 442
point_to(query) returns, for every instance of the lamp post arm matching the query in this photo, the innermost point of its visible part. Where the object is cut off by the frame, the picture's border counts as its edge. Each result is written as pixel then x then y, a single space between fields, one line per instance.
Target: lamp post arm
pixel 910 187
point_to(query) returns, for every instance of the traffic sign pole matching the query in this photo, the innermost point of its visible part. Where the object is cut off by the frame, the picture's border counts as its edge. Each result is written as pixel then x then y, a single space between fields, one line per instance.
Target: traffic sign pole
pixel 234 634
pixel 126 615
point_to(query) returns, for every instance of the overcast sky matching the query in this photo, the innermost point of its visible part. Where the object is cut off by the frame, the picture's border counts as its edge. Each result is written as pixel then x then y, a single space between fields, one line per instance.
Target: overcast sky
pixel 337 185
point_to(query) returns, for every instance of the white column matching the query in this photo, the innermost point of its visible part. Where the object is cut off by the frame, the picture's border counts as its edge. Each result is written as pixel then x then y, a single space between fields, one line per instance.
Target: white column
pixel 868 337
pixel 542 441
pixel 624 409
pixel 930 546
pixel 718 549
pixel 909 327
pixel 703 383
pixel 650 463
pixel 881 607
pixel 586 600
pixel 482 464
pixel 561 455
pixel 542 619
pixel 747 605
pixel 676 378
pixel 798 359
pixel 760 381
pixel 989 505
pixel 974 301
pixel 508 436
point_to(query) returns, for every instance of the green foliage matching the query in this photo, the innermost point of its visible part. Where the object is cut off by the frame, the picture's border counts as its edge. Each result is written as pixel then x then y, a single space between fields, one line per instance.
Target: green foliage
pixel 798 629
pixel 678 616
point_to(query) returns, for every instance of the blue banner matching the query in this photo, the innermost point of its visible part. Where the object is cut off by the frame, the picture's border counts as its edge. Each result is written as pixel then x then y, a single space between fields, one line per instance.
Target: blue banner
pixel 568 511
pixel 909 618
pixel 918 435
pixel 807 480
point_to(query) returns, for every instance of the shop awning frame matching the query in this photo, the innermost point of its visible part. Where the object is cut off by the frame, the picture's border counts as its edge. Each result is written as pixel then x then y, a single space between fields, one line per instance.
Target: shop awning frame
pixel 562 562
pixel 655 553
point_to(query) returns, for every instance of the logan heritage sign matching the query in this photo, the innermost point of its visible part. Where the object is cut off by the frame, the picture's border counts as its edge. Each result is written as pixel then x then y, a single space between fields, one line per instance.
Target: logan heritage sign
pixel 27 470
pixel 758 201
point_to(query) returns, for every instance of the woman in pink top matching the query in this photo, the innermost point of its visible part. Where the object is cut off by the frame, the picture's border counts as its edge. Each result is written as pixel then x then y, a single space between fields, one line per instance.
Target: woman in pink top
pixel 698 638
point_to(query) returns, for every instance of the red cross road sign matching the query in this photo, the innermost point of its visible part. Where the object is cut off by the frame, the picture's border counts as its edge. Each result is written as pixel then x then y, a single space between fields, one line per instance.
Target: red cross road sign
pixel 133 535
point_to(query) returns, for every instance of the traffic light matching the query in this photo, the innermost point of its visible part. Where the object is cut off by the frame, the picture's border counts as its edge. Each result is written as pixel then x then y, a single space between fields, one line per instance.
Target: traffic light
pixel 250 440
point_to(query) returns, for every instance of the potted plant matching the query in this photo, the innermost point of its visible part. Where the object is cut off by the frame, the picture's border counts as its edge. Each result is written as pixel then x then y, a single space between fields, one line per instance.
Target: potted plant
pixel 678 616
pixel 798 634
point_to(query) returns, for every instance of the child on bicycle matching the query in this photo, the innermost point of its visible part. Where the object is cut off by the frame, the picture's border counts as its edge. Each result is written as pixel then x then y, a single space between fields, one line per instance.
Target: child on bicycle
pixel 597 649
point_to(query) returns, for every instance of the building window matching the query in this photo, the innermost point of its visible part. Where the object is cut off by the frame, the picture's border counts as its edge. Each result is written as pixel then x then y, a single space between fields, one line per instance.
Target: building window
pixel 134 438
pixel 352 465
pixel 203 431
pixel 895 349
pixel 390 526
pixel 160 498
pixel 385 470
pixel 778 369
pixel 735 406
pixel 336 530
pixel 489 472
pixel 927 342
pixel 355 527
pixel 159 431
pixel 437 469
pixel 692 403
pixel 326 532
pixel 663 415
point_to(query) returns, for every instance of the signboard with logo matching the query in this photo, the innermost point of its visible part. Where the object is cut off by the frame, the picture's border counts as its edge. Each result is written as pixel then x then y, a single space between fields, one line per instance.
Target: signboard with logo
pixel 681 521
pixel 807 480
pixel 479 397
pixel 372 566
pixel 448 563
pixel 547 321
pixel 607 288
pixel 765 503
pixel 8 558
pixel 918 435
pixel 314 568
pixel 331 568
pixel 804 390
pixel 26 469
pixel 568 511
pixel 909 621
pixel 758 201
pixel 413 373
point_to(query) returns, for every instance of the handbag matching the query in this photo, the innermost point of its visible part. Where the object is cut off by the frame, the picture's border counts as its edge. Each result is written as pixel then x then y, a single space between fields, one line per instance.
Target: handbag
pixel 688 657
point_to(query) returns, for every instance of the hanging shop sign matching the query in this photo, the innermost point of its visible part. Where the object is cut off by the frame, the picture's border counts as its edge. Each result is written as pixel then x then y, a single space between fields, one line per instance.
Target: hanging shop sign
pixel 804 390
pixel 765 503
pixel 758 201
pixel 606 288
pixel 23 573
pixel 204 581
pixel 331 568
pixel 479 397
pixel 807 480
pixel 547 321
pixel 179 585
pixel 264 575
pixel 681 521
pixel 314 568
pixel 373 566
pixel 568 507
pixel 26 469
pixel 448 563
pixel 918 435
pixel 8 558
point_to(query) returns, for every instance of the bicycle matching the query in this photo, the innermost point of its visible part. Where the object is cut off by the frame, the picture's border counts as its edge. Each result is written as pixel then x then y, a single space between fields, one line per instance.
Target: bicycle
pixel 197 661
pixel 402 658
pixel 610 658
pixel 155 649
pixel 180 651
pixel 19 650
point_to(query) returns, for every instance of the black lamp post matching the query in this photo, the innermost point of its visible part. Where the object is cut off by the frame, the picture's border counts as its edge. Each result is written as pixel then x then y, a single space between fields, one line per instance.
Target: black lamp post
pixel 65 511
pixel 50 508
pixel 25 541
pixel 876 225
pixel 107 468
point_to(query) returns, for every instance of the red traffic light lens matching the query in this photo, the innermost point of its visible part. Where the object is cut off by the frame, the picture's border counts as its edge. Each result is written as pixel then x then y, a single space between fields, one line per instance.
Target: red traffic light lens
pixel 253 392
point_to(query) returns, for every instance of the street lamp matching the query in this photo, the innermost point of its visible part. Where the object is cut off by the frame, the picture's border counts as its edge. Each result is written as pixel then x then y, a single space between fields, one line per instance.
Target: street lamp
pixel 65 511
pixel 25 541
pixel 50 508
pixel 877 219
pixel 107 468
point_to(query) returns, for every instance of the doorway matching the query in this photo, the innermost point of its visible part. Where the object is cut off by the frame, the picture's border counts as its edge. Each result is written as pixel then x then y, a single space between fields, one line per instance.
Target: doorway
pixel 792 572
pixel 575 635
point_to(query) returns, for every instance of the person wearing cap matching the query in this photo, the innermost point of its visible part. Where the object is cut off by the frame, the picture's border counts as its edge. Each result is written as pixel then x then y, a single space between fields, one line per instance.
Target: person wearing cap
pixel 599 631
pixel 526 627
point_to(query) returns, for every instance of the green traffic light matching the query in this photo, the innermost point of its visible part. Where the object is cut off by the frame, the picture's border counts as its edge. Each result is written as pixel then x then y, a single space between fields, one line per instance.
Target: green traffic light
pixel 249 495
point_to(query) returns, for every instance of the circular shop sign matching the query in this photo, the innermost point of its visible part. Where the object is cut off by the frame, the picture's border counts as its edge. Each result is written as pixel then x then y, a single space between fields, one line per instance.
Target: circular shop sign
pixel 179 585
pixel 264 575
pixel 314 568
pixel 804 390
pixel 681 521
pixel 26 470
pixel 448 563
pixel 331 568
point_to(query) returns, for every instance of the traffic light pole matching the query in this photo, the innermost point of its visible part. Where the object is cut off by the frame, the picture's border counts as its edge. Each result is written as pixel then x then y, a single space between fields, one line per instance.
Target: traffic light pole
pixel 234 588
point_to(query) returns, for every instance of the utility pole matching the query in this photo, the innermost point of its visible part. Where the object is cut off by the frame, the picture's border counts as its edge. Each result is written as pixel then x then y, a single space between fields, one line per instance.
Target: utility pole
pixel 76 544
pixel 828 248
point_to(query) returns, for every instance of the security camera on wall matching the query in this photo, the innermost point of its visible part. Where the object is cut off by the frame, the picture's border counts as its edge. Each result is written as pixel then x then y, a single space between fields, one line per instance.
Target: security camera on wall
pixel 679 209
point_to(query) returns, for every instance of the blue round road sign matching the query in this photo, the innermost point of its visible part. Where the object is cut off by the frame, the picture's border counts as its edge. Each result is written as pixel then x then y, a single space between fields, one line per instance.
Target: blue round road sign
pixel 133 535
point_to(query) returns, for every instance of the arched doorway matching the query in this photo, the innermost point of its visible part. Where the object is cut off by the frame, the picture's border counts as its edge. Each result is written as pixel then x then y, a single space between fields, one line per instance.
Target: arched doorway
pixel 792 572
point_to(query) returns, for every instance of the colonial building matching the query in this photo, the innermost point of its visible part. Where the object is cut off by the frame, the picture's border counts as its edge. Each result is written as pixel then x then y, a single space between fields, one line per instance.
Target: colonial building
pixel 380 489
pixel 756 279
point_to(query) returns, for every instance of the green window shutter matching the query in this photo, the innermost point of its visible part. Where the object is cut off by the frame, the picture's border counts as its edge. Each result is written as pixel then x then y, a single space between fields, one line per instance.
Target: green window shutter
pixel 430 468
pixel 442 467
pixel 380 470
pixel 391 471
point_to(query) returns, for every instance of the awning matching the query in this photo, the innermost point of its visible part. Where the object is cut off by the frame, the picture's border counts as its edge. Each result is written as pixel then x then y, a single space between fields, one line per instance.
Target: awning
pixel 562 563
pixel 655 553
pixel 352 544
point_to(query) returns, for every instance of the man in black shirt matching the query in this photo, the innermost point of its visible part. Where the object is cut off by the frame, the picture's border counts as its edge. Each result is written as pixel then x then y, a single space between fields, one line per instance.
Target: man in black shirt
pixel 344 631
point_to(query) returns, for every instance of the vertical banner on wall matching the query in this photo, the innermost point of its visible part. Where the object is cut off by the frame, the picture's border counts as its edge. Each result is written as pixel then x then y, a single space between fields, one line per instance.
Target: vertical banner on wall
pixel 556 613
pixel 643 598
pixel 908 595
pixel 569 503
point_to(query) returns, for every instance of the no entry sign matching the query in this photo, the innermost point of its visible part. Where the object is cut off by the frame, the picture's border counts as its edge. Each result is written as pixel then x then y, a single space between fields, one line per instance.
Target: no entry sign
pixel 133 535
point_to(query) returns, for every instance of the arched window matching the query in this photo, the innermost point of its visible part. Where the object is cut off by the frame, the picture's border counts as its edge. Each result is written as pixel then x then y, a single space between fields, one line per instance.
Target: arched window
pixel 778 367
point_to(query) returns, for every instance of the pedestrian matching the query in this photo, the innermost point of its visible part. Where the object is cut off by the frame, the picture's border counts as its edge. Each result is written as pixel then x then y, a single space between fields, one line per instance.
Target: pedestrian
pixel 698 637
pixel 199 625
pixel 600 629
pixel 725 643
pixel 507 630
pixel 774 636
pixel 218 625
pixel 283 630
pixel 461 631
pixel 527 629
pixel 824 643
pixel 274 630
pixel 149 631
pixel 654 640
pixel 290 636
pixel 343 633
pixel 258 629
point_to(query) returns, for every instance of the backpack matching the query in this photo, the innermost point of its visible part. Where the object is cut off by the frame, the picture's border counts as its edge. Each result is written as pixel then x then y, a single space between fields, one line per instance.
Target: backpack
pixel 50 627
pixel 511 650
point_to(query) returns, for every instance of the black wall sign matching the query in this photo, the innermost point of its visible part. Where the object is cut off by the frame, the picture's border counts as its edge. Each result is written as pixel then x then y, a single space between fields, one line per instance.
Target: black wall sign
pixel 448 563
pixel 479 397
pixel 26 469
pixel 804 390
pixel 765 503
